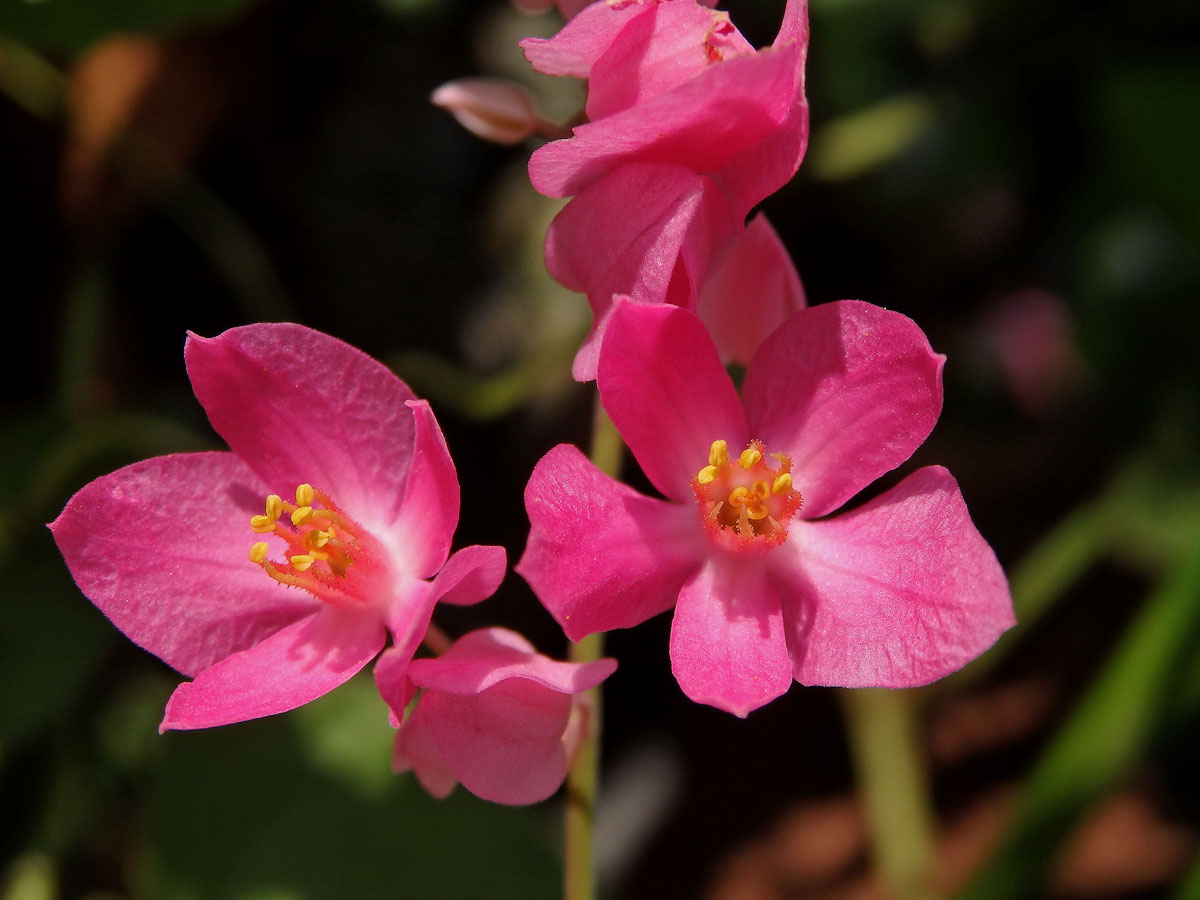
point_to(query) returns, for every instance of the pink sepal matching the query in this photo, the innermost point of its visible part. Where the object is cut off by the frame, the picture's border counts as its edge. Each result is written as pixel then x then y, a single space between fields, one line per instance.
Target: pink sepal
pixel 896 593
pixel 496 713
pixel 277 394
pixel 727 638
pixel 601 555
pixel 484 658
pixel 293 666
pixel 470 575
pixel 664 386
pixel 151 546
pixel 848 390
pixel 428 516
pixel 416 751
pixel 644 230
pixel 750 292
pixel 701 125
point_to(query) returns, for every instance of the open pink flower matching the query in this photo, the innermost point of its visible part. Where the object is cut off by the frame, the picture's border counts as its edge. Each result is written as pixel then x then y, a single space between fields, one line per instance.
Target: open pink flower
pixel 493 714
pixel 269 603
pixel 674 82
pixel 896 593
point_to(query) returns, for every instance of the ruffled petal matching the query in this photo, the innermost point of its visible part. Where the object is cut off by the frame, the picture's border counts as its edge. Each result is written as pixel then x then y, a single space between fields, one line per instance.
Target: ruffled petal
pixel 644 230
pixel 750 293
pixel 301 406
pixel 504 744
pixel 896 593
pixel 393 683
pixel 848 390
pixel 424 526
pixel 416 750
pixel 482 659
pixel 700 125
pixel 601 555
pixel 470 575
pixel 727 639
pixel 663 384
pixel 161 548
pixel 297 664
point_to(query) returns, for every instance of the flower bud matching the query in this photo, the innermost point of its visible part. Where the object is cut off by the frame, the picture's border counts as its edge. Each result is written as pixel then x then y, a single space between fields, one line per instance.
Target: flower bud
pixel 490 108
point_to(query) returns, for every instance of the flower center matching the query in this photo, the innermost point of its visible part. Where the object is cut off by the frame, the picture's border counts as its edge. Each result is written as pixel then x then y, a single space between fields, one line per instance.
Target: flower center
pixel 323 544
pixel 746 502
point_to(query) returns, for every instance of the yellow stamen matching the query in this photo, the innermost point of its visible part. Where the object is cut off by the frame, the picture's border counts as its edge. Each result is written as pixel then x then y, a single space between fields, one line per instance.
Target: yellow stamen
pixel 302 515
pixel 782 484
pixel 274 507
pixel 750 458
pixel 707 475
pixel 303 562
pixel 305 495
pixel 718 453
pixel 262 524
pixel 739 495
pixel 259 552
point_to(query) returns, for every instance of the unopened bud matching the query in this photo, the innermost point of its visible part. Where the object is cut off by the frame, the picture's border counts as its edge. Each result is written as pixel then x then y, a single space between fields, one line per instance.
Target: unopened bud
pixel 498 111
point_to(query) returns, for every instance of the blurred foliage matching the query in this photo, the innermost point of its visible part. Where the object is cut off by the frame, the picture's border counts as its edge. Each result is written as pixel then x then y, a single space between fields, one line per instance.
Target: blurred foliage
pixel 279 160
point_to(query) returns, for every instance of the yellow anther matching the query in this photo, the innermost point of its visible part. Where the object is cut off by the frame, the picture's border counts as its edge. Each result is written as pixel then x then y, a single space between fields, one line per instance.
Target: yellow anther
pixel 718 453
pixel 758 511
pixel 274 507
pixel 707 475
pixel 782 484
pixel 261 524
pixel 305 495
pixel 739 495
pixel 750 458
pixel 259 552
pixel 761 490
pixel 302 515
pixel 303 562
pixel 317 539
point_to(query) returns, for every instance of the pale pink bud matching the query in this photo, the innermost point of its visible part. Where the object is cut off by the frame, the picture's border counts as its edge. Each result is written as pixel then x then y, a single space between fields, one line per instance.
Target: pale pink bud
pixel 491 108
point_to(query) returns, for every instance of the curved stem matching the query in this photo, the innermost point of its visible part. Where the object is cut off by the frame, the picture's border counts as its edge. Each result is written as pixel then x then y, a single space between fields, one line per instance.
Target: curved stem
pixel 579 874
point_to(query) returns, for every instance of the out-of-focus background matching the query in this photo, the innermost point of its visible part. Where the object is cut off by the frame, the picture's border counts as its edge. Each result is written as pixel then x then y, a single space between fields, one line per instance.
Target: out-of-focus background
pixel 1022 178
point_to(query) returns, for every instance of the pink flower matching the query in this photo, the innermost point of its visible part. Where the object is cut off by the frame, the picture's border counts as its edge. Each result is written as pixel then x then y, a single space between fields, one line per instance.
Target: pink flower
pixel 269 603
pixel 673 82
pixel 896 593
pixel 493 714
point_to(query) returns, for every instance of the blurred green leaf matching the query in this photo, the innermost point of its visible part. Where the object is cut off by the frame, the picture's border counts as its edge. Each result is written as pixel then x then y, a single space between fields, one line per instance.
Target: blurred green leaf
pixel 69 26
pixel 862 141
pixel 31 877
pixel 1105 735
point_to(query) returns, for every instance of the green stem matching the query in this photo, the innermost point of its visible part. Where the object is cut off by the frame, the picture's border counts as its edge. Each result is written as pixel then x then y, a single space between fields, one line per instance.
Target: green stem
pixel 579 874
pixel 891 772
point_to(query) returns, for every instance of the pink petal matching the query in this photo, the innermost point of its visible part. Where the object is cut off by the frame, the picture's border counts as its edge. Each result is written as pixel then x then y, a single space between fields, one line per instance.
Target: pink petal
pixel 415 749
pixel 795 23
pixel 657 52
pixel 600 555
pixel 896 593
pixel 727 639
pixel 425 523
pixel 505 744
pixel 701 125
pixel 470 575
pixel 663 384
pixel 298 663
pixel 161 547
pixel 301 406
pixel 577 46
pixel 752 291
pixel 848 390
pixel 393 683
pixel 644 230
pixel 484 658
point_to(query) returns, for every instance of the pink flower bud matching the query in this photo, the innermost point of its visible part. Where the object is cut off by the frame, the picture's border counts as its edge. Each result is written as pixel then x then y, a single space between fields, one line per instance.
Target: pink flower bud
pixel 490 108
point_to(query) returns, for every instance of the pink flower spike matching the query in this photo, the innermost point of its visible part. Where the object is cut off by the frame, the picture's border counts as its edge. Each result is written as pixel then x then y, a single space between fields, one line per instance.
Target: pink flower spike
pixel 340 487
pixel 495 714
pixel 897 593
pixel 750 292
pixel 491 108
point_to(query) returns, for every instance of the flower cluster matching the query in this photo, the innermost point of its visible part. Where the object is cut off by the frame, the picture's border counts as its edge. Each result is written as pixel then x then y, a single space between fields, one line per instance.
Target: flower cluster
pixel 321 542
